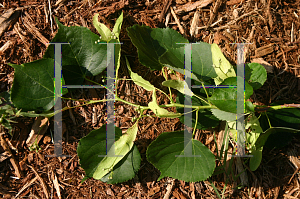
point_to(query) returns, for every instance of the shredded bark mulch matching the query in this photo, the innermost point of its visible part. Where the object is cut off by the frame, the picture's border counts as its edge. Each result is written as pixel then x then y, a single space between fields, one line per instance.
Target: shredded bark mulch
pixel 270 27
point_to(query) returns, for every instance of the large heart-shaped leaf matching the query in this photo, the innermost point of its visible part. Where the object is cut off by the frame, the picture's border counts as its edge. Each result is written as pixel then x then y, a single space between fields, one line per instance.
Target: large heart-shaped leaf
pixel 222 66
pixel 152 43
pixel 33 86
pixel 94 144
pixel 163 151
pixel 82 57
pixel 255 75
pixel 202 62
pixel 223 115
pixel 130 163
pixel 226 98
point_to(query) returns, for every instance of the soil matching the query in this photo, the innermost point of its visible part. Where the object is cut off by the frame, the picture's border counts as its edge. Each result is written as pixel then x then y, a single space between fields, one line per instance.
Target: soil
pixel 272 28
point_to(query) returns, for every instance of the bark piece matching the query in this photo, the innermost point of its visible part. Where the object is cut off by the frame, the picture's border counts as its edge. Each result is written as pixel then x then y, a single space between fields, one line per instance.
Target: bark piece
pixel 8 19
pixel 192 6
pixel 38 129
pixel 13 161
pixel 264 50
pixel 34 31
pixel 5 47
pixel 28 184
pixel 194 26
pixel 41 181
pixel 177 21
pixel 233 2
pixel 164 10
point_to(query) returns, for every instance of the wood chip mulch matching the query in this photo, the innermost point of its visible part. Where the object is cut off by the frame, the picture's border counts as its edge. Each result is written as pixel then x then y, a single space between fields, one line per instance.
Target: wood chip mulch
pixel 272 28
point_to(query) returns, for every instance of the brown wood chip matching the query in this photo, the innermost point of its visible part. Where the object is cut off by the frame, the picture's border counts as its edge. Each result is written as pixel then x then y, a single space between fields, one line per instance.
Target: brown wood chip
pixel 233 2
pixel 38 130
pixel 264 50
pixel 192 6
pixel 8 19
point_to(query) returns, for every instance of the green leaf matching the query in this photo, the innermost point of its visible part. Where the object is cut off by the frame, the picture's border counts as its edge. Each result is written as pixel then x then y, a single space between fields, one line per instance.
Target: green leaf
pixel 264 136
pixel 222 66
pixel 158 111
pixel 181 86
pixel 226 98
pixel 102 29
pixel 152 43
pixel 255 75
pixel 202 62
pixel 33 86
pixel 262 139
pixel 130 163
pixel 201 91
pixel 138 80
pixel 82 57
pixel 249 107
pixel 94 144
pixel 6 96
pixel 205 118
pixel 223 115
pixel 256 159
pixel 286 117
pixel 118 25
pixel 162 154
pixel 255 130
pixel 174 59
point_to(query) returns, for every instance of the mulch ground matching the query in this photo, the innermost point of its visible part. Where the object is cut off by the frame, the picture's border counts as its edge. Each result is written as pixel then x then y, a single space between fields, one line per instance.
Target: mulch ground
pixel 272 28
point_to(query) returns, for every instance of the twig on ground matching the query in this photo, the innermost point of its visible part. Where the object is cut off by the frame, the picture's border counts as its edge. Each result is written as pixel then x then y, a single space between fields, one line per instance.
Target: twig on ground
pixel 237 19
pixel 41 181
pixel 167 4
pixel 13 161
pixel 177 21
pixel 194 25
pixel 34 31
pixel 214 13
pixel 50 15
pixel 169 188
pixel 77 8
pixel 28 184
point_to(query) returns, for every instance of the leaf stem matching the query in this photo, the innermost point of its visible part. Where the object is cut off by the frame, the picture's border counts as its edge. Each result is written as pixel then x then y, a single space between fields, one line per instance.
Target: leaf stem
pixel 201 99
pixel 205 91
pixel 194 130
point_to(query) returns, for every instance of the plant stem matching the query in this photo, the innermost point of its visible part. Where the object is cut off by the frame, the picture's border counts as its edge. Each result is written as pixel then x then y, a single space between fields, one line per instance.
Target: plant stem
pixel 98 84
pixel 188 106
pixel 277 107
pixel 51 113
pixel 129 103
pixel 163 71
